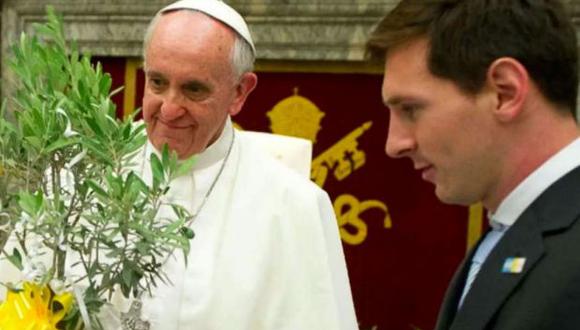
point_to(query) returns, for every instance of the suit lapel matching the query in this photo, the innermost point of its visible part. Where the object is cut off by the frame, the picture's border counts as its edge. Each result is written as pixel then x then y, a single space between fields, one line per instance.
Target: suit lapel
pixel 547 215
pixel 448 308
pixel 492 286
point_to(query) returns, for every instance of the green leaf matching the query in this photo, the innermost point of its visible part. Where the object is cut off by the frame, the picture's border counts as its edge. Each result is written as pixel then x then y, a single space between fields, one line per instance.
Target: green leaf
pixel 105 85
pixel 95 187
pixel 115 184
pixel 143 248
pixel 127 275
pixel 156 170
pixel 16 259
pixel 125 289
pixel 140 184
pixel 185 167
pixel 92 123
pixel 126 131
pixel 61 143
pixel 172 227
pixel 97 150
pixel 31 203
pixel 165 155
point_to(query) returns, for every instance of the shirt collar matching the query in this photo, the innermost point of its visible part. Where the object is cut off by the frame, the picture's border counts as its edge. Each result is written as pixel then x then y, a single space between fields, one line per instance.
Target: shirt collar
pixel 531 187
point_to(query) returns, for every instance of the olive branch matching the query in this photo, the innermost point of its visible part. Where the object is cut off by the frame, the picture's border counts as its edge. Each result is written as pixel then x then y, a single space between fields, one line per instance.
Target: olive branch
pixel 66 188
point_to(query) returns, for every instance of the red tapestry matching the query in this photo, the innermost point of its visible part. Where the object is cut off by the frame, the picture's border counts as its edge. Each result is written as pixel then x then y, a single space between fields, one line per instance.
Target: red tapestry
pixel 401 244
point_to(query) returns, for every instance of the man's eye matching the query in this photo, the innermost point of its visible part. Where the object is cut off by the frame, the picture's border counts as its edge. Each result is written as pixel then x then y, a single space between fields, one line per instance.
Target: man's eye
pixel 156 83
pixel 409 110
pixel 193 89
pixel 196 91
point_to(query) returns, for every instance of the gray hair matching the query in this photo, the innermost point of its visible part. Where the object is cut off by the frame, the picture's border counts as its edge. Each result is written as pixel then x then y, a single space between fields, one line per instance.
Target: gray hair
pixel 242 57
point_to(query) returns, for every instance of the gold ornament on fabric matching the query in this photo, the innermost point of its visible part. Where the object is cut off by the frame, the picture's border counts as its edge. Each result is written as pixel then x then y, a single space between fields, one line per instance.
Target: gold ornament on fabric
pixel 296 116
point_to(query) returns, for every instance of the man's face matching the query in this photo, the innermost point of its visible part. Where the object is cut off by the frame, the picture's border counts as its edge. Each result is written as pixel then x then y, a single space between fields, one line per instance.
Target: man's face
pixel 189 82
pixel 447 133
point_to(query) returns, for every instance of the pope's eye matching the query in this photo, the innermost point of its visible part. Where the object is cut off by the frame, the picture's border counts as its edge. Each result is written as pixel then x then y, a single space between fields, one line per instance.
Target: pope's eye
pixel 156 82
pixel 196 91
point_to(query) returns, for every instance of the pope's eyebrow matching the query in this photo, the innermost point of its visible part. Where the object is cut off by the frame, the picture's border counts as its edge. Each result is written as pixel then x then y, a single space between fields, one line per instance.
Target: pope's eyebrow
pixel 154 74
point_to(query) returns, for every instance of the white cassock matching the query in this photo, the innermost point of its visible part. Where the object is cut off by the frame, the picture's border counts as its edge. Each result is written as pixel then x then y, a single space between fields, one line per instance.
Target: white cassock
pixel 266 254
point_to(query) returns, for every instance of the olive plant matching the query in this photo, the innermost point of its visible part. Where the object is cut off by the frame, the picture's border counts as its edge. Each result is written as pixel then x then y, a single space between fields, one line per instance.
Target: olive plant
pixel 66 185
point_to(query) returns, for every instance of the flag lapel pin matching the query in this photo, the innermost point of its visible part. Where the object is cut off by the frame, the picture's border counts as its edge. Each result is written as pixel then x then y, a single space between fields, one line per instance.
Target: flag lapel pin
pixel 513 265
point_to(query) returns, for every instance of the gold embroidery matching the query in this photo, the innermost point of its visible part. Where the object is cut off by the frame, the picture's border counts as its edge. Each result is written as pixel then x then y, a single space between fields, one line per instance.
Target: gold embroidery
pixel 341 159
pixel 348 210
pixel 296 116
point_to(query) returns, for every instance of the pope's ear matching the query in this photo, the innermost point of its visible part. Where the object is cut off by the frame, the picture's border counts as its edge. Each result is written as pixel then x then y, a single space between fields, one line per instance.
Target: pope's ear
pixel 245 86
pixel 510 81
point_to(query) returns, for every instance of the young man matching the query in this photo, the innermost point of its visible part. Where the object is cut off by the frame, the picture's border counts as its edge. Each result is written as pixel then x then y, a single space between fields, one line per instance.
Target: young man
pixel 482 100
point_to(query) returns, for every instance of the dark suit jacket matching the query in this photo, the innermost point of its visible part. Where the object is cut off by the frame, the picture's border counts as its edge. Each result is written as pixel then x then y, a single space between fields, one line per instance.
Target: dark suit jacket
pixel 546 294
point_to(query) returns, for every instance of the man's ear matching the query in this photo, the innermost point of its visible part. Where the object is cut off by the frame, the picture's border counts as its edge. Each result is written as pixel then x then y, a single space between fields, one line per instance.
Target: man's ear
pixel 510 81
pixel 245 86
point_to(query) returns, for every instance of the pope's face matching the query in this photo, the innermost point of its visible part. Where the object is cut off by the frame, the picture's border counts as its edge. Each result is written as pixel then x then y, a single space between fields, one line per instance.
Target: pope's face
pixel 189 82
pixel 447 133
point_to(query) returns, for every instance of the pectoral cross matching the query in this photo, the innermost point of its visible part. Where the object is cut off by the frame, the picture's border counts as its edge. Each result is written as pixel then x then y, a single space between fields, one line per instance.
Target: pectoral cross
pixel 132 319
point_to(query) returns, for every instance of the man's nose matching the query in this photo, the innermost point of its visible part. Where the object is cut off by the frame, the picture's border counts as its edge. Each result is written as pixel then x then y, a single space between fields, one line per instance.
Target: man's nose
pixel 173 106
pixel 400 140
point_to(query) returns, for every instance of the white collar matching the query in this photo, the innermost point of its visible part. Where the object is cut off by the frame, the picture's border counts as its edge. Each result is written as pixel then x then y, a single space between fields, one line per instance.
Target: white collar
pixel 217 150
pixel 536 183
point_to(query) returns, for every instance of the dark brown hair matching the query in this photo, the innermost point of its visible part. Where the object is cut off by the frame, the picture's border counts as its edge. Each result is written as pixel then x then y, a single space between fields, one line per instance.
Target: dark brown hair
pixel 466 36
